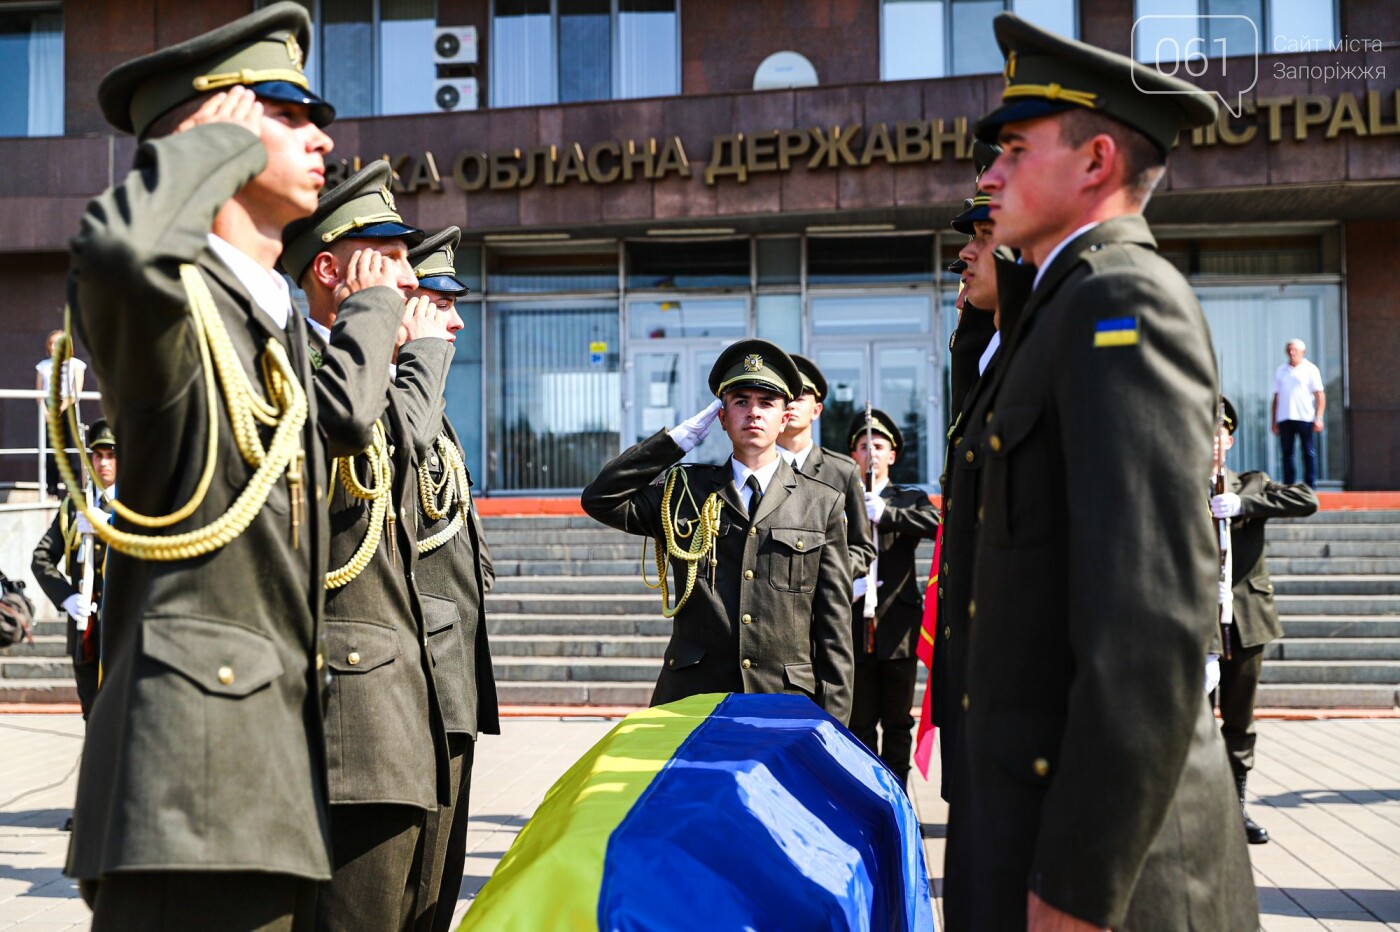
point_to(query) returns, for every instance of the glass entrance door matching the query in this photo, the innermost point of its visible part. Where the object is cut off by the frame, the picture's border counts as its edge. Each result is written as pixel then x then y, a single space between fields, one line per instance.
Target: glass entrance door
pixel 672 346
pixel 858 344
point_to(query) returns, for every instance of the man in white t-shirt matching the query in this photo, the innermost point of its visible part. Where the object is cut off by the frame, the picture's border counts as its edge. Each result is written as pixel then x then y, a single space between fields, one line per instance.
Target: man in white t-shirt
pixel 69 387
pixel 1298 405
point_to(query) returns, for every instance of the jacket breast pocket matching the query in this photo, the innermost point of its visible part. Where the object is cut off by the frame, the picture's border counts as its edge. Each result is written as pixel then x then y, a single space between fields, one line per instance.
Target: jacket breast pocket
pixel 357 647
pixel 218 657
pixel 1262 585
pixel 793 558
pixel 1015 509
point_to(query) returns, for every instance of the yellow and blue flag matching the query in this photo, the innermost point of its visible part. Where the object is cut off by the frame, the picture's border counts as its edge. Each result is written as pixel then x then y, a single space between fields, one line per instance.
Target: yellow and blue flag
pixel 1116 331
pixel 717 812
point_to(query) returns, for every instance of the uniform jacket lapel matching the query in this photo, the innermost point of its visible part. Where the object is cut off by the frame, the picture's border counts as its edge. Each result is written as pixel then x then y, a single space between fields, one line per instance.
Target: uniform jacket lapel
pixel 225 277
pixel 781 486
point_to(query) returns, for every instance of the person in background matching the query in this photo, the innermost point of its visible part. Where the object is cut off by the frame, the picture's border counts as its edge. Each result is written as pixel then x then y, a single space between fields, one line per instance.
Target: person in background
pixel 1298 405
pixel 70 386
pixel 1250 499
pixel 885 679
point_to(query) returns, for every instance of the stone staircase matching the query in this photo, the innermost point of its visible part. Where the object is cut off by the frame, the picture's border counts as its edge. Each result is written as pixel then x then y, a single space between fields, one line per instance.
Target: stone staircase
pixel 571 623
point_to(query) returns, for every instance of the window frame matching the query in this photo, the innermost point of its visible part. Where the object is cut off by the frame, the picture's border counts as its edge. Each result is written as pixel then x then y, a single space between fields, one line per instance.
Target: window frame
pixel 36 7
pixel 1007 6
pixel 614 48
pixel 1265 27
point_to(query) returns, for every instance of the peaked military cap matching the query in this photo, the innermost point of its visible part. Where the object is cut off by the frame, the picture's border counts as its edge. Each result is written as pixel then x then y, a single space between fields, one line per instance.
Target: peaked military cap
pixel 880 423
pixel 978 207
pixel 1048 73
pixel 755 364
pixel 361 207
pixel 100 435
pixel 434 261
pixel 263 51
pixel 1232 420
pixel 812 379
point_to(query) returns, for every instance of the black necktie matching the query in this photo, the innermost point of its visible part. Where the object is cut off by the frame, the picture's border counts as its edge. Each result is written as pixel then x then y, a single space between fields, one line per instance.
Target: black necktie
pixel 755 496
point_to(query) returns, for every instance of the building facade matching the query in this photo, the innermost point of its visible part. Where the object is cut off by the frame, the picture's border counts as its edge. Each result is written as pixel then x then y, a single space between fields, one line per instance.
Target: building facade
pixel 631 203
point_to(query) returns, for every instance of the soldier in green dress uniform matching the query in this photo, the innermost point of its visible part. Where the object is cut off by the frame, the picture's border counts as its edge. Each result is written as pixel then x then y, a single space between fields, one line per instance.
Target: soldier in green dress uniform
pixel 1097 793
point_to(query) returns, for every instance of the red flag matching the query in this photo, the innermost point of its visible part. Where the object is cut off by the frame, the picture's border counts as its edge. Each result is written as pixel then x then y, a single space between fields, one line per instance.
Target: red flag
pixel 923 744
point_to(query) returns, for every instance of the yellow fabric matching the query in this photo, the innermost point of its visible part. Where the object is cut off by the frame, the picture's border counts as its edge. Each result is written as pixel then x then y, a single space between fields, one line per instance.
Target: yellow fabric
pixel 552 875
pixel 1116 338
pixel 1051 91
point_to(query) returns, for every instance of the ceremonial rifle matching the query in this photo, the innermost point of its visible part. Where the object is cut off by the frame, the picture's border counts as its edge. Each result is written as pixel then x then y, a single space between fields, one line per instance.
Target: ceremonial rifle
pixel 872 574
pixel 1222 527
pixel 86 554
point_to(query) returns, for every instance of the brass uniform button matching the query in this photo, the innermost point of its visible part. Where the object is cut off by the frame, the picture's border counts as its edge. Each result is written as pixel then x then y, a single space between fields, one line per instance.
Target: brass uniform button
pixel 967 701
pixel 969 456
pixel 748 574
pixel 353 658
pixel 320 660
pixel 226 675
pixel 981 512
pixel 671 662
pixel 947 632
pixel 988 418
pixel 799 544
pixel 1041 766
pixel 957 441
pixel 747 663
pixel 940 592
pixel 945 567
pixel 753 532
pixel 972 608
pixel 748 619
pixel 995 443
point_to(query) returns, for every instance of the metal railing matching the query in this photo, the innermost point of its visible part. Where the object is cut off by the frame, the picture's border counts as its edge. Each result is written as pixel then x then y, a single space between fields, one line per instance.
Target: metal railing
pixel 40 450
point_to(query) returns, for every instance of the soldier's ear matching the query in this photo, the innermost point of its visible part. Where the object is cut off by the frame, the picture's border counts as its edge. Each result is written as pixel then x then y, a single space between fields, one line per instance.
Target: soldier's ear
pixel 325 270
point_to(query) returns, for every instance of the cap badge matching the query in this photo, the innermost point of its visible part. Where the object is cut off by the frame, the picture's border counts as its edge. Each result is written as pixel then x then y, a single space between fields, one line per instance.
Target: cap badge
pixel 1009 71
pixel 451 256
pixel 293 50
pixel 753 362
pixel 388 196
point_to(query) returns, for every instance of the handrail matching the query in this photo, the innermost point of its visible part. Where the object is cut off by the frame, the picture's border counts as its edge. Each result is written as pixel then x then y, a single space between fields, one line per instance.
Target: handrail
pixel 41 449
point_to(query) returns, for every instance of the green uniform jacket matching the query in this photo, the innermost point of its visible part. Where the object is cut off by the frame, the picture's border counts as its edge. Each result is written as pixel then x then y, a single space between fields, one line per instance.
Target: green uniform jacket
pixel 205 748
pixel 1261 498
pixel 385 740
pixel 456 576
pixel 60 583
pixel 841 473
pixel 777 619
pixel 909 517
pixel 1097 777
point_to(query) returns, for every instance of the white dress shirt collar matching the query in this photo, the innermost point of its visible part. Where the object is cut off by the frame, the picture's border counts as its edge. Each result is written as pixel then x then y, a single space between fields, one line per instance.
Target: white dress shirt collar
pixel 267 288
pixel 742 473
pixel 320 329
pixel 987 353
pixel 1040 271
pixel 796 460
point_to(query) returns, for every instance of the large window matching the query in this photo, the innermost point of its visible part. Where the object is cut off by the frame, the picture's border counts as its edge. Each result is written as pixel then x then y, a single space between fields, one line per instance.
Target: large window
pixel 561 51
pixel 373 57
pixel 31 71
pixel 938 38
pixel 1165 29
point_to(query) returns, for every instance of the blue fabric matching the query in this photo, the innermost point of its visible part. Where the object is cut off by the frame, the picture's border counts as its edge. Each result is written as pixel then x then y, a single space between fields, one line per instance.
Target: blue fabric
pixel 770 816
pixel 1303 432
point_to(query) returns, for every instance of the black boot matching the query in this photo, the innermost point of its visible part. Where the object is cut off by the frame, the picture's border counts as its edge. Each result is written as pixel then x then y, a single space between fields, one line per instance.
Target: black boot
pixel 1254 833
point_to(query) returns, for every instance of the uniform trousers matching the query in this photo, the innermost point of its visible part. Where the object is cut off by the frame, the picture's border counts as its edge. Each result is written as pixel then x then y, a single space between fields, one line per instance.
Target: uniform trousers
pixel 377 862
pixel 85 676
pixel 1239 684
pixel 200 901
pixel 445 843
pixel 884 696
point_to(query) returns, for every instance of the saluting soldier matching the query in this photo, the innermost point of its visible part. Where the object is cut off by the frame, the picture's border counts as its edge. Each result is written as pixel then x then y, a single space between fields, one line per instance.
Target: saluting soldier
pixel 67 552
pixel 836 469
pixel 1250 499
pixel 202 792
pixel 384 732
pixel 885 679
pixel 1097 792
pixel 454 575
pixel 764 590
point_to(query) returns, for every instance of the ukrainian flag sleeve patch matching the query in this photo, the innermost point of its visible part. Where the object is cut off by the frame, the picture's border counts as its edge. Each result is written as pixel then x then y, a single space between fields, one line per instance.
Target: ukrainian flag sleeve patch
pixel 1116 331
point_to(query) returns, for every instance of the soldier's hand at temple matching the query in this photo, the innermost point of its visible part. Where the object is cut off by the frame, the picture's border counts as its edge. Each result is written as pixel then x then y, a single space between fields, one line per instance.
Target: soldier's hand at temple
pixel 1225 505
pixel 423 319
pixel 367 268
pixel 690 432
pixel 236 105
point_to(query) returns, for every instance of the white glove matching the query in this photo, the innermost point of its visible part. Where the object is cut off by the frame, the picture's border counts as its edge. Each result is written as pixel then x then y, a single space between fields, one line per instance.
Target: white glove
pixel 693 430
pixel 875 506
pixel 77 608
pixel 81 522
pixel 1212 672
pixel 1225 595
pixel 859 587
pixel 1225 505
